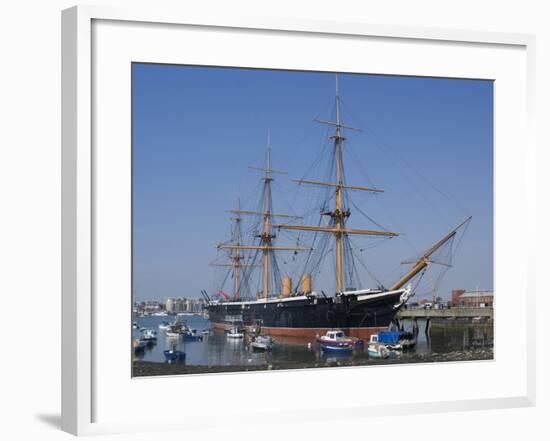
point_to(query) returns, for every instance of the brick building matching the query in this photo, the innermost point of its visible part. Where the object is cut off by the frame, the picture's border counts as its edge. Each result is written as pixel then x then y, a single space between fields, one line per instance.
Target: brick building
pixel 472 299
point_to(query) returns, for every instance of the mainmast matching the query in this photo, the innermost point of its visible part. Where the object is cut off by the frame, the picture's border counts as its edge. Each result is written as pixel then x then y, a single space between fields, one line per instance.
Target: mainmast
pixel 266 236
pixel 340 213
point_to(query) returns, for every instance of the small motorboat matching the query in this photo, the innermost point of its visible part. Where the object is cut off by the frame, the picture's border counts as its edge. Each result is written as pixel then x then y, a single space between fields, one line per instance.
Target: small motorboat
pixel 177 329
pixel 235 333
pixel 138 345
pixel 390 339
pixel 397 340
pixel 134 325
pixel 191 335
pixel 377 349
pixel 262 343
pixel 336 341
pixel 164 326
pixel 174 356
pixel 149 335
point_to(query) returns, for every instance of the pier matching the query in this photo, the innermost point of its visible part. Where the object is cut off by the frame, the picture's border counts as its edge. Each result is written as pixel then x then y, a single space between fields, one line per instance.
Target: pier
pixel 455 313
pixel 421 313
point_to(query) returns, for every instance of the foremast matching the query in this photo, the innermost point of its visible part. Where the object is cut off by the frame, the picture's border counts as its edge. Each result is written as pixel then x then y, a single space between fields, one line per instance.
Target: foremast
pixel 339 214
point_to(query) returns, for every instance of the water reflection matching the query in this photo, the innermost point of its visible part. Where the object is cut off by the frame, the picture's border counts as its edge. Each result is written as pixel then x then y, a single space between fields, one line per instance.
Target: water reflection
pixel 218 350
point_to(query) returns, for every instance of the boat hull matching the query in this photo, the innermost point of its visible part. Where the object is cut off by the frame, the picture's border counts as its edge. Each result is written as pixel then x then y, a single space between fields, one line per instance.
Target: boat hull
pixel 311 316
pixel 335 349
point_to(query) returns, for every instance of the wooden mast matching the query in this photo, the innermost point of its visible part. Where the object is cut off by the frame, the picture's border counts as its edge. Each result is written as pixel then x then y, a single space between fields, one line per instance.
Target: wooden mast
pixel 339 214
pixel 235 256
pixel 266 236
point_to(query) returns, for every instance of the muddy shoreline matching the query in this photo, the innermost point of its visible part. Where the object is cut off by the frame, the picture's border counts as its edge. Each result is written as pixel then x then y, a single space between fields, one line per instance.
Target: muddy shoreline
pixel 148 368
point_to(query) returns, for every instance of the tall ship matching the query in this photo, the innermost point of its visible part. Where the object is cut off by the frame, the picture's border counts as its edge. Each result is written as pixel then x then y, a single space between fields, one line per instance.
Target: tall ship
pixel 282 309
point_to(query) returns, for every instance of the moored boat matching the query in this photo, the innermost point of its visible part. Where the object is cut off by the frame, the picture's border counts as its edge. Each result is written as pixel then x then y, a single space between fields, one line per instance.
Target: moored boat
pixel 173 355
pixel 376 349
pixel 138 345
pixel 164 326
pixel 390 339
pixel 177 329
pixel 397 340
pixel 262 343
pixel 149 335
pixel 337 341
pixel 235 333
pixel 191 335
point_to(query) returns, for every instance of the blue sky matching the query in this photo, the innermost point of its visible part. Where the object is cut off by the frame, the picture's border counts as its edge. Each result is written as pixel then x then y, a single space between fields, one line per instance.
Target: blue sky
pixel 427 142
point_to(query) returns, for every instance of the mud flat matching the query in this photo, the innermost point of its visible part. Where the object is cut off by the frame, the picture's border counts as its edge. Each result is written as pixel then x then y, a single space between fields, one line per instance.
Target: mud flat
pixel 147 368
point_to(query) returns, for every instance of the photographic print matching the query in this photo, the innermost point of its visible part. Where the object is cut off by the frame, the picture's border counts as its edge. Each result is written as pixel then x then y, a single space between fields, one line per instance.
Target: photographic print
pixel 293 219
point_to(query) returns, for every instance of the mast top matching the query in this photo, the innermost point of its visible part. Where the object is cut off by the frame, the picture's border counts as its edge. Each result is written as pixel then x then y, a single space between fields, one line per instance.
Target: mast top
pixel 339 126
pixel 267 167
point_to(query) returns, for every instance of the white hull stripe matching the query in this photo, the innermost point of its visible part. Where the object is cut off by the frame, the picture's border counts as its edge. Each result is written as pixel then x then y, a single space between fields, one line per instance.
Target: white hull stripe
pixel 294 299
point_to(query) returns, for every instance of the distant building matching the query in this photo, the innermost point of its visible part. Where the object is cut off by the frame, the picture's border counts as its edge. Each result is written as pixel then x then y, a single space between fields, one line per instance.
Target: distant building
pixel 170 305
pixel 173 305
pixel 472 299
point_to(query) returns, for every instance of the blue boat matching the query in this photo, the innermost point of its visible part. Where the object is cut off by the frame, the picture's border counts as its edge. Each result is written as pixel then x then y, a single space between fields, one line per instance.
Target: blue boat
pixel 389 337
pixel 173 356
pixel 397 339
pixel 335 341
pixel 191 335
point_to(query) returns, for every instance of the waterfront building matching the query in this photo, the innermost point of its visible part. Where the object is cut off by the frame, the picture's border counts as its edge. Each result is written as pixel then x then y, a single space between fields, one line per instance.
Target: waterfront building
pixel 473 299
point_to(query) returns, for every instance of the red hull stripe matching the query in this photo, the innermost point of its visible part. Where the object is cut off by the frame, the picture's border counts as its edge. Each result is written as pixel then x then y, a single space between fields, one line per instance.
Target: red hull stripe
pixel 362 333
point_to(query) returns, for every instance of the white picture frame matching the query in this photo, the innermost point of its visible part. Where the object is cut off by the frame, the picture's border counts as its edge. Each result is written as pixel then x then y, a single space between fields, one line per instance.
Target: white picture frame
pixel 82 347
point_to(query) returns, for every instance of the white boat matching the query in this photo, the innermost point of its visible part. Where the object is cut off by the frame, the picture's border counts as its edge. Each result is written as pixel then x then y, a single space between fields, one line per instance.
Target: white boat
pixel 164 326
pixel 377 349
pixel 262 343
pixel 235 333
pixel 149 334
pixel 177 329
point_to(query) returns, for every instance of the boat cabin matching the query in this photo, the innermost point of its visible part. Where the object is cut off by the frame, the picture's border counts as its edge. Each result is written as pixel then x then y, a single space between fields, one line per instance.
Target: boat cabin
pixel 334 335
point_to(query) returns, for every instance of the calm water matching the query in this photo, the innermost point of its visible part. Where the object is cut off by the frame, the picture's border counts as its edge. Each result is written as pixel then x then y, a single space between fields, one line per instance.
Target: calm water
pixel 445 343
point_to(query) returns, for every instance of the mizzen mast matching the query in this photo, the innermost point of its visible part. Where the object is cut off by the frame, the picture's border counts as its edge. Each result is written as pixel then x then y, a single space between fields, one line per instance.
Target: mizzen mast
pixel 235 256
pixel 340 213
pixel 266 236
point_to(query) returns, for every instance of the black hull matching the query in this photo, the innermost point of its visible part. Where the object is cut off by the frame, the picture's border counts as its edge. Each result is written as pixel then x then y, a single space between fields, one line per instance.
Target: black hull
pixel 348 311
